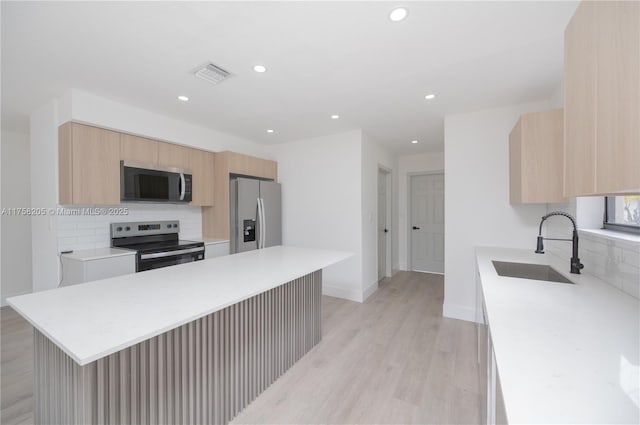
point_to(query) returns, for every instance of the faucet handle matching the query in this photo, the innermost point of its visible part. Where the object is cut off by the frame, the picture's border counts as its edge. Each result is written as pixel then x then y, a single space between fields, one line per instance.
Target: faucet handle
pixel 576 266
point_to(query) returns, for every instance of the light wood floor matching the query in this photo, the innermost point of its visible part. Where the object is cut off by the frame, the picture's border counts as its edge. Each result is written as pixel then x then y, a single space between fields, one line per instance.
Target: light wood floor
pixel 393 359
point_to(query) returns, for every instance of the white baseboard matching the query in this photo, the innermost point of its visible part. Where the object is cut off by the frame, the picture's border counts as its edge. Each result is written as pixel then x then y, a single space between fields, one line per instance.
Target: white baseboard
pixel 394 271
pixel 459 312
pixel 369 291
pixel 351 294
pixel 428 272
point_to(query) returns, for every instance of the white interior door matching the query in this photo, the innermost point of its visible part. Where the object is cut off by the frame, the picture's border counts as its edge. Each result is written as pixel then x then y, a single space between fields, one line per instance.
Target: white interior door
pixel 382 224
pixel 427 223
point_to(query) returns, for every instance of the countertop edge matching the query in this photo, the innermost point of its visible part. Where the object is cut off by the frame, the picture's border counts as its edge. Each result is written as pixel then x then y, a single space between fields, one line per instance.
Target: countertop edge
pixel 91 255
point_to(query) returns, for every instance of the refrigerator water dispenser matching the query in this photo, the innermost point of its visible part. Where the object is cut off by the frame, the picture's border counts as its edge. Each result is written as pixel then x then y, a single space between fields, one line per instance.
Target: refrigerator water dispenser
pixel 249 230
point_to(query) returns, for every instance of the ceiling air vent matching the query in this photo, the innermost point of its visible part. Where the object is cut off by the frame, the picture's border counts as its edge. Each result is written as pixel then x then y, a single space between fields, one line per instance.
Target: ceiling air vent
pixel 212 73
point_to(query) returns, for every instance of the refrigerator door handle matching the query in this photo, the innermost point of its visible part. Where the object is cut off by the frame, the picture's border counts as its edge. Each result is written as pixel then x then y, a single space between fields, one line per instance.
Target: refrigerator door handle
pixel 264 220
pixel 259 223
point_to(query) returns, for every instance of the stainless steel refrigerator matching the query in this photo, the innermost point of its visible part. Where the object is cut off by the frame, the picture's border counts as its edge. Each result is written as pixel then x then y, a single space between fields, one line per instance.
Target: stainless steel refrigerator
pixel 256 214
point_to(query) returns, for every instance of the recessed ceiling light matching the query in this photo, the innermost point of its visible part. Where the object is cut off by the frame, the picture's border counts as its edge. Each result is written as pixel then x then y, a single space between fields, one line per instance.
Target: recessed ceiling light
pixel 414 141
pixel 335 116
pixel 260 68
pixel 430 96
pixel 269 131
pixel 183 98
pixel 398 14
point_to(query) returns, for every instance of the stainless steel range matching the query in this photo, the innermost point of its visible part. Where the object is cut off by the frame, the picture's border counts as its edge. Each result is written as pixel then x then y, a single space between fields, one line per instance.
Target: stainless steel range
pixel 156 243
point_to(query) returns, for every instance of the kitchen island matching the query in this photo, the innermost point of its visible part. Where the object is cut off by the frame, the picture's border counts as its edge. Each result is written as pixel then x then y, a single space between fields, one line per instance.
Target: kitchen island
pixel 192 343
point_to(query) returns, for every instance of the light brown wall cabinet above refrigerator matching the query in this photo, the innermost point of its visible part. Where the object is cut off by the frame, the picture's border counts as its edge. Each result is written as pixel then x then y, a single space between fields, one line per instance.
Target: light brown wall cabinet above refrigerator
pixel 89 165
pixel 535 158
pixel 602 99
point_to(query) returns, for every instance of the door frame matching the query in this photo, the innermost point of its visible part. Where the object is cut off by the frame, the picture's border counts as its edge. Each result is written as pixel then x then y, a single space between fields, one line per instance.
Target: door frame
pixel 388 267
pixel 410 209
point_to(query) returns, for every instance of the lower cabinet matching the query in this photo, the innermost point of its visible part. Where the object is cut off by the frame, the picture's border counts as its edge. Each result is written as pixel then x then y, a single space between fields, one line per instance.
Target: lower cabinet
pixel 496 413
pixel 492 408
pixel 500 412
pixel 482 332
pixel 216 249
pixel 78 269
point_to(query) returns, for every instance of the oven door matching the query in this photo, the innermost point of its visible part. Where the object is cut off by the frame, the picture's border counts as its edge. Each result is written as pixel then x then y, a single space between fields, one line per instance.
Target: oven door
pixel 156 260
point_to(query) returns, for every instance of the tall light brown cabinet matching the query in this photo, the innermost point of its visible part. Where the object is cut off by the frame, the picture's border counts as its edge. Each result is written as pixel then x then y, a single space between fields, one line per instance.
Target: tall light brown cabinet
pixel 216 220
pixel 89 165
pixel 602 99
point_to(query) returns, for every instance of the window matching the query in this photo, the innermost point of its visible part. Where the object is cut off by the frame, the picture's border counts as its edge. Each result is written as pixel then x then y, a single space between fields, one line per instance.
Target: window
pixel 622 213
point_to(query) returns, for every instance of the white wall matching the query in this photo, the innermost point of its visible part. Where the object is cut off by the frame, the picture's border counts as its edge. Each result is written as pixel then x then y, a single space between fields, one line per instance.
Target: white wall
pixel 85 107
pixel 374 156
pixel 477 209
pixel 330 200
pixel 44 194
pixel 91 109
pixel 408 164
pixel 16 235
pixel 322 203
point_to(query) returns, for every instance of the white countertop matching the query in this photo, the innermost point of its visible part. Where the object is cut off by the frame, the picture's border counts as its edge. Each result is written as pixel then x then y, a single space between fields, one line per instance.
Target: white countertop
pixel 564 353
pixel 95 319
pixel 98 254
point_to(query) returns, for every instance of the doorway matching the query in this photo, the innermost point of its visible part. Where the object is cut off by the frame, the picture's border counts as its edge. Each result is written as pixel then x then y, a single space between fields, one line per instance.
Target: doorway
pixel 426 222
pixel 383 226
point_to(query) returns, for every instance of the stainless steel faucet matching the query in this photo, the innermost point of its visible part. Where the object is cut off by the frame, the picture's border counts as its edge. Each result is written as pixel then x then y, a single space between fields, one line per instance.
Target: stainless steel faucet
pixel 576 265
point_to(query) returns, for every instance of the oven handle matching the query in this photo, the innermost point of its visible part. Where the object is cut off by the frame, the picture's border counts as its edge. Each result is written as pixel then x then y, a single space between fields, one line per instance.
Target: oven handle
pixel 169 253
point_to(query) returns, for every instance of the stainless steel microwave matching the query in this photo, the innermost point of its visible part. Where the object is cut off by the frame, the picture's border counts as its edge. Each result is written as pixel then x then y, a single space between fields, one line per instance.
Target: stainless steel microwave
pixel 142 183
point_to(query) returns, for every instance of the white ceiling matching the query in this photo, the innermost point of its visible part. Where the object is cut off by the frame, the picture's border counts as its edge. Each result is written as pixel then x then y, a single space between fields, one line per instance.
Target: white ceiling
pixel 322 58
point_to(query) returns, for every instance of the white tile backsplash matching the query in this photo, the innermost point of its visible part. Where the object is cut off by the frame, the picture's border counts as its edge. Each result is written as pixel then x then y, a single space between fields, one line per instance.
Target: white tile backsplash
pixel 77 232
pixel 614 261
pixel 611 257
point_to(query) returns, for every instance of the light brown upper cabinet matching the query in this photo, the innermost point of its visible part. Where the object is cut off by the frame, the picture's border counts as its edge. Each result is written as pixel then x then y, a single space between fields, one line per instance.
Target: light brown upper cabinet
pixel 198 162
pixel 170 155
pixel 202 165
pixel 138 149
pixel 602 99
pixel 89 165
pixel 535 158
pixel 250 165
pixel 216 220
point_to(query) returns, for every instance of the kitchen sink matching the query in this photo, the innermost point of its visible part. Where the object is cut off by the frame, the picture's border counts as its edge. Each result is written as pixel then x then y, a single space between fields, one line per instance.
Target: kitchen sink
pixel 529 271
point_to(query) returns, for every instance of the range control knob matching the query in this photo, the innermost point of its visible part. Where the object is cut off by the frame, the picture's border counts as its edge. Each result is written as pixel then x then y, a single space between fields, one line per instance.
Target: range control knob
pixel 127 228
pixel 118 229
pixel 175 226
pixel 169 226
